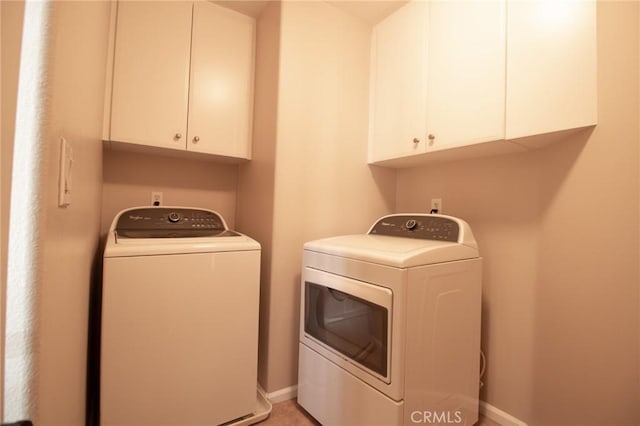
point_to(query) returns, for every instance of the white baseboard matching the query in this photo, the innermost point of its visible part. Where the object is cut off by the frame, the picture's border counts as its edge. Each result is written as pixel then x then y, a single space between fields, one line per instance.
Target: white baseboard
pixel 499 416
pixel 281 394
pixel 486 409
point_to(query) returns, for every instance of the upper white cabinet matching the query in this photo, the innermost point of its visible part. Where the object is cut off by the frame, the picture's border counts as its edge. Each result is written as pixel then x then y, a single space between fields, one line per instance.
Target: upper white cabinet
pixel 399 83
pixel 551 66
pixel 182 77
pixel 465 73
pixel 437 77
pixel 450 74
pixel 221 89
pixel 151 73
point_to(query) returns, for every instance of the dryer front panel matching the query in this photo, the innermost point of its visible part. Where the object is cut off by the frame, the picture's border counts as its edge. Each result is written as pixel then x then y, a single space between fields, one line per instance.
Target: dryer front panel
pixel 349 323
pixel 356 325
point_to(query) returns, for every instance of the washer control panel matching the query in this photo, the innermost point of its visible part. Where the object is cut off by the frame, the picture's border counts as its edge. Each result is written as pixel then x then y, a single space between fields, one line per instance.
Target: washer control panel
pixel 167 222
pixel 426 227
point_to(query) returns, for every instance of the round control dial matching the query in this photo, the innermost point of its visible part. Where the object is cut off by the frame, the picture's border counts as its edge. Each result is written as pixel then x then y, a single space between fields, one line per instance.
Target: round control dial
pixel 411 224
pixel 174 217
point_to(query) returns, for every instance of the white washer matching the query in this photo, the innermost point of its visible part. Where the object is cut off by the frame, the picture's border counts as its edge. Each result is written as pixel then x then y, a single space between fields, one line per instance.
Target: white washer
pixel 179 321
pixel 390 324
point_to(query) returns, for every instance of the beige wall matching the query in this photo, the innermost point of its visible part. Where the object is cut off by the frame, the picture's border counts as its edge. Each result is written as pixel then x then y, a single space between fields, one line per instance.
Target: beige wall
pixel 2 249
pixel 70 242
pixel 316 171
pixel 129 178
pixel 256 179
pixel 11 37
pixel 558 229
pixel 12 13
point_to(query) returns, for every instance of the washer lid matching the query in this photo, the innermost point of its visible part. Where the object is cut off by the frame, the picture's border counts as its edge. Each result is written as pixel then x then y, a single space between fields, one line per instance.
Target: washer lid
pixel 405 240
pixel 145 231
pixel 132 247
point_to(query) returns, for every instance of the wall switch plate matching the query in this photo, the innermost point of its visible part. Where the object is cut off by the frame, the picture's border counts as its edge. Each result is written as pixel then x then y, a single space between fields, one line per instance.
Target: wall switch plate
pixel 436 205
pixel 64 173
pixel 156 198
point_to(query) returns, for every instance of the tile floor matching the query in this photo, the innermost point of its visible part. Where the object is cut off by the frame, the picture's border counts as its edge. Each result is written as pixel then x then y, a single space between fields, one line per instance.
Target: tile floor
pixel 289 413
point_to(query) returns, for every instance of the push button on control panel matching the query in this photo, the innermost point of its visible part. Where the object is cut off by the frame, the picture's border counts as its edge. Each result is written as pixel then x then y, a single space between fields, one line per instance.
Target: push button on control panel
pixel 207 222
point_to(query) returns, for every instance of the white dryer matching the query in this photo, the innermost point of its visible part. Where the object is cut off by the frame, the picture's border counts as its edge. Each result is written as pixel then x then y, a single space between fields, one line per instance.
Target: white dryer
pixel 390 324
pixel 179 321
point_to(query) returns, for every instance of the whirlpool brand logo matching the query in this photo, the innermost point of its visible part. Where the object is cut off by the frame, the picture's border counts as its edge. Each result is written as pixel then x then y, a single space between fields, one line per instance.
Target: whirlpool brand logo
pixel 437 417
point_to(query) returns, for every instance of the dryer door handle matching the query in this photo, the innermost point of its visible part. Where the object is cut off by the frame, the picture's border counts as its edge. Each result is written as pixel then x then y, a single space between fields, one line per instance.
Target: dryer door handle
pixel 337 294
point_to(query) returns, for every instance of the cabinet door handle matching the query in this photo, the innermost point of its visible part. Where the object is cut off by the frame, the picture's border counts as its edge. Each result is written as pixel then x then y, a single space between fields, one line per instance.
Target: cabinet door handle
pixel 196 139
pixel 178 136
pixel 416 141
pixel 432 138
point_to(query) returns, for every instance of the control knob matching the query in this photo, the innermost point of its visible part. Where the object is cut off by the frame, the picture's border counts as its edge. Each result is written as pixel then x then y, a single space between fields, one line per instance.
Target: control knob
pixel 174 217
pixel 411 224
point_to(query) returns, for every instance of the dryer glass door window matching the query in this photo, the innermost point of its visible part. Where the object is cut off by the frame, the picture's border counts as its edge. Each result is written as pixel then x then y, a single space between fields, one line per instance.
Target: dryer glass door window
pixel 354 327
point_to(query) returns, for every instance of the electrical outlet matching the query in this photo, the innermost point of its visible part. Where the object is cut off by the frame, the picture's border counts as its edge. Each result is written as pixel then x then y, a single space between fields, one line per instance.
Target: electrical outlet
pixel 156 198
pixel 436 205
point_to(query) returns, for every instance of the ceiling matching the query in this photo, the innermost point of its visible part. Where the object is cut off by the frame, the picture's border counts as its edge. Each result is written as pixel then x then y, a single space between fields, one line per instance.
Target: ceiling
pixel 369 11
pixel 247 7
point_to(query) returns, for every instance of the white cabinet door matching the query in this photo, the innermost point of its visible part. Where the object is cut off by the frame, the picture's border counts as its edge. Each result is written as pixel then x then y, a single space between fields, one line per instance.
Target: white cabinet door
pixel 438 71
pixel 398 84
pixel 221 86
pixel 551 66
pixel 466 74
pixel 151 73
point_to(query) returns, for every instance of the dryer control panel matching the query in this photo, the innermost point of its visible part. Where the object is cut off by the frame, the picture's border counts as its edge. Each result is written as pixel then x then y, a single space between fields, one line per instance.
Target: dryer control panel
pixel 422 226
pixel 169 222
